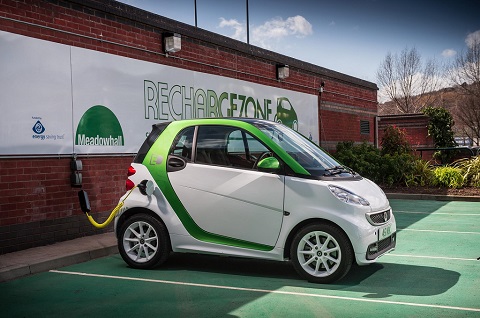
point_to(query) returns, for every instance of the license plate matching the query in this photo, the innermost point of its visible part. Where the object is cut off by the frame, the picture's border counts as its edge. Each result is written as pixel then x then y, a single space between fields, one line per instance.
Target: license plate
pixel 385 231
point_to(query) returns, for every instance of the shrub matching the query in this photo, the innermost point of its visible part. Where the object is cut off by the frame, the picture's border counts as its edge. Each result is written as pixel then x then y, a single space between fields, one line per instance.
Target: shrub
pixel 404 168
pixel 364 158
pixel 421 174
pixel 368 161
pixel 470 169
pixel 394 141
pixel 394 168
pixel 450 177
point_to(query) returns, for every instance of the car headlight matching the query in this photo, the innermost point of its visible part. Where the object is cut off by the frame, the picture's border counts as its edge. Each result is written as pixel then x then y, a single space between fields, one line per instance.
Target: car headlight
pixel 347 196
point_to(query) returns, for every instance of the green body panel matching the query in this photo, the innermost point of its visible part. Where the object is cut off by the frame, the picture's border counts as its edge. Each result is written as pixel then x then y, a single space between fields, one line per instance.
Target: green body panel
pixel 159 173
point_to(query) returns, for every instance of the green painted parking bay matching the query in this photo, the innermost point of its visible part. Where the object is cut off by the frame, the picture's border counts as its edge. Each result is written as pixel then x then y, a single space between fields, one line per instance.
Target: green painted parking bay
pixel 204 286
pixel 432 274
pixel 447 219
pixel 437 229
pixel 451 282
pixel 454 223
pixel 435 206
pixel 438 244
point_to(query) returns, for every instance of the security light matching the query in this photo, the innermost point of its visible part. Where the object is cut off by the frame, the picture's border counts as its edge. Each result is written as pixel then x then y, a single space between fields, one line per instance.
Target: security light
pixel 172 42
pixel 282 71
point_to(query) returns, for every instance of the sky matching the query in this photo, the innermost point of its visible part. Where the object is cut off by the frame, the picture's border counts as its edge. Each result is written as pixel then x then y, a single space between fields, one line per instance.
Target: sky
pixel 348 36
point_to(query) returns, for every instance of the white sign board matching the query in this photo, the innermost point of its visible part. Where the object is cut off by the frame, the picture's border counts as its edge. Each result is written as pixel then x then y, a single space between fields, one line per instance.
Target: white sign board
pixel 35 96
pixel 58 99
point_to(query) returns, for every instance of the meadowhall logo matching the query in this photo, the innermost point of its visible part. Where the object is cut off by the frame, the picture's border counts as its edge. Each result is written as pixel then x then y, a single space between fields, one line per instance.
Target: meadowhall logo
pixel 99 127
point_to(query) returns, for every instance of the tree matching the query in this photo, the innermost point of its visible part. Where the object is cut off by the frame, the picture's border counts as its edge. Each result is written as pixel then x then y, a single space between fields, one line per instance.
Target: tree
pixel 465 74
pixel 440 127
pixel 406 82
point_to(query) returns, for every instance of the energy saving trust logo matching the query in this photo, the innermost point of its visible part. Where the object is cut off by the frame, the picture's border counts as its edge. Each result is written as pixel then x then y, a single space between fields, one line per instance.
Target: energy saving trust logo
pixel 99 127
pixel 38 129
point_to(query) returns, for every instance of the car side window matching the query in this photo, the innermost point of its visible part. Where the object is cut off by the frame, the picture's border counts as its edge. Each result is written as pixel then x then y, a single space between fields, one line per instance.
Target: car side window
pixel 255 147
pixel 244 149
pixel 211 145
pixel 238 151
pixel 182 145
pixel 228 146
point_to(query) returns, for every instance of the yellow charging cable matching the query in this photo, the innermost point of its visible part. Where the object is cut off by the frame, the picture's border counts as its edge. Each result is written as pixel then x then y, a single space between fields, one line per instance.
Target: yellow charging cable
pixel 112 215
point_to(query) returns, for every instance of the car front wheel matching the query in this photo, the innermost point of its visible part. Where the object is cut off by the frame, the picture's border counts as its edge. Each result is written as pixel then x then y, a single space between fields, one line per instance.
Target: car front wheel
pixel 143 241
pixel 321 253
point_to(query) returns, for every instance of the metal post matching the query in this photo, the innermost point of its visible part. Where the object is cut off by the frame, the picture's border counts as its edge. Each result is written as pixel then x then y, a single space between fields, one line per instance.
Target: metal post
pixel 248 27
pixel 195 4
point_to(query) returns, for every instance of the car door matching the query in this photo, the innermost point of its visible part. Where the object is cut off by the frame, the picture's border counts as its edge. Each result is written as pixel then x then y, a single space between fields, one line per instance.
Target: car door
pixel 221 189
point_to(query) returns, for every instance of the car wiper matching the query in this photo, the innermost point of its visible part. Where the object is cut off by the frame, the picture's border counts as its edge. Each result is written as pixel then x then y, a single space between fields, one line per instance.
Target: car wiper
pixel 337 170
pixel 334 170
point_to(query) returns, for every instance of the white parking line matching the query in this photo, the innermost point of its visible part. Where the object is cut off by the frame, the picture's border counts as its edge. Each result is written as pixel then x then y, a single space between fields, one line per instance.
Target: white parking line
pixel 438 231
pixel 432 257
pixel 438 213
pixel 266 291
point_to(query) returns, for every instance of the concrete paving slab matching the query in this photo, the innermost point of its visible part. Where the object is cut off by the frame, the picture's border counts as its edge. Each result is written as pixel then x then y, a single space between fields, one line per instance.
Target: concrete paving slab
pixel 44 258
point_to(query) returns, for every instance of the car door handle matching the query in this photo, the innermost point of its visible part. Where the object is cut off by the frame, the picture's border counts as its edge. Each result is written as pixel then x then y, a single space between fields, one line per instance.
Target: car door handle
pixel 175 163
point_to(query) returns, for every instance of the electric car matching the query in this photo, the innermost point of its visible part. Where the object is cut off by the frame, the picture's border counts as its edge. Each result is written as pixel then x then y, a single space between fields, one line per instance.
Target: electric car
pixel 249 188
pixel 286 114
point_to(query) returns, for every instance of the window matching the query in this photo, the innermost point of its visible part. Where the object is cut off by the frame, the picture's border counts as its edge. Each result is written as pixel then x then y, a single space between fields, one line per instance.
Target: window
pixel 302 150
pixel 183 144
pixel 227 146
pixel 364 127
pixel 243 149
pixel 211 145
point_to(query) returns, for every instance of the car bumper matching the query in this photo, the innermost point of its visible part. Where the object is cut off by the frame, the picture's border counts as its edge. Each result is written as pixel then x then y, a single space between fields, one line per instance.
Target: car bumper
pixel 373 247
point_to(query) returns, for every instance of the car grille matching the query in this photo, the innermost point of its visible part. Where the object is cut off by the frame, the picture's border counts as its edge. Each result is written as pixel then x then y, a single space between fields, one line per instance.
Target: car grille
pixel 379 218
pixel 380 247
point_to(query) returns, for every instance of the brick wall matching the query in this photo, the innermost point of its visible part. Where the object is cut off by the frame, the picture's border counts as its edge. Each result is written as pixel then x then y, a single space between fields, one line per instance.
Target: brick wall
pixel 415 126
pixel 342 109
pixel 37 204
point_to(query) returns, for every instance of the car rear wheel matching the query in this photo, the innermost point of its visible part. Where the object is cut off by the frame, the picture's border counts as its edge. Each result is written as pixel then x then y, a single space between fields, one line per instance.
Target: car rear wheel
pixel 143 241
pixel 321 253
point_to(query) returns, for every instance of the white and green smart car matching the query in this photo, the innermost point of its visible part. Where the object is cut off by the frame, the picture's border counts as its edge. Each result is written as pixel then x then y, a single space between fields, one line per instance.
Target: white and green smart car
pixel 250 188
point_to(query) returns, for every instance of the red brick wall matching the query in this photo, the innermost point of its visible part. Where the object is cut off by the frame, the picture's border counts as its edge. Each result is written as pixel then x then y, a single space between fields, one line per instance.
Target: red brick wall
pixel 342 109
pixel 145 41
pixel 415 126
pixel 37 204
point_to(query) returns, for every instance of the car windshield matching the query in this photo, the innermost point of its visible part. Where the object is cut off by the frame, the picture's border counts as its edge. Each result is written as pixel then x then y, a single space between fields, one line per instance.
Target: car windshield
pixel 311 157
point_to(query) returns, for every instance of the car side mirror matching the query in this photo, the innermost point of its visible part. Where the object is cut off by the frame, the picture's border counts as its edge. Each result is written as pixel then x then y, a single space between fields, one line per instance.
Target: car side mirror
pixel 269 164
